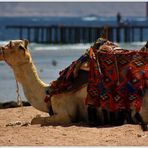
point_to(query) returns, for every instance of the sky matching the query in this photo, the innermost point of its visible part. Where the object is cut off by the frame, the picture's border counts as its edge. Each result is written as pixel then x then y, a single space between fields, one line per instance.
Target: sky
pixel 70 9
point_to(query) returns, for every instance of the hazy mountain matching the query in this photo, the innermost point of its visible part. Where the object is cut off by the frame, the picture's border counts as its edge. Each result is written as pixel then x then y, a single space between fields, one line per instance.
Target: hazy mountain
pixel 72 8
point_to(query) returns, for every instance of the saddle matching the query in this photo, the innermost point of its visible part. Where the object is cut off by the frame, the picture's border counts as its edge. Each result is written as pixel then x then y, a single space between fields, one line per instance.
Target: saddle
pixel 115 77
pixel 116 81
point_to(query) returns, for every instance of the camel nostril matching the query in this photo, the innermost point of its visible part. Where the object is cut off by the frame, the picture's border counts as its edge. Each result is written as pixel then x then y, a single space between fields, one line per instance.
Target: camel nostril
pixel 26 43
pixel 1 50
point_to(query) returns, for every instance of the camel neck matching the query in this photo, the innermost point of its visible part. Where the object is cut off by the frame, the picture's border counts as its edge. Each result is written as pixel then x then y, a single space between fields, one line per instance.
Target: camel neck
pixel 27 74
pixel 34 88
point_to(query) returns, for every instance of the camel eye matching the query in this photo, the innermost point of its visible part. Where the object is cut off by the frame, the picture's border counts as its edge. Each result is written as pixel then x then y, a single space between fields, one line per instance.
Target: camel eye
pixel 21 47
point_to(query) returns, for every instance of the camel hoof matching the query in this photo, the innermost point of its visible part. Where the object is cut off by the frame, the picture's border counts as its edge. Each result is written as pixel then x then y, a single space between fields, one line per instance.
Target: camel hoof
pixel 37 120
pixel 144 127
pixel 14 124
pixel 18 123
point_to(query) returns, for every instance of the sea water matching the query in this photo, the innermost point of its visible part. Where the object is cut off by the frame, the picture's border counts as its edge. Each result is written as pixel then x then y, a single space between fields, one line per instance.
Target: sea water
pixel 49 60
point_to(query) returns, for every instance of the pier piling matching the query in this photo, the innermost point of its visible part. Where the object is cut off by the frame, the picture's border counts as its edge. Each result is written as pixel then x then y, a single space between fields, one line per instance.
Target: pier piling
pixel 78 34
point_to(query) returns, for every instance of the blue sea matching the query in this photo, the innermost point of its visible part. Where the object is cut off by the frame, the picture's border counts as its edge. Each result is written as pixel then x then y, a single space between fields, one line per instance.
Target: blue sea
pixel 44 55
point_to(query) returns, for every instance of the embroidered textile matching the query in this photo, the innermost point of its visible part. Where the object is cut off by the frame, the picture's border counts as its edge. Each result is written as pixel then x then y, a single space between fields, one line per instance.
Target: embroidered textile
pixel 117 77
pixel 67 77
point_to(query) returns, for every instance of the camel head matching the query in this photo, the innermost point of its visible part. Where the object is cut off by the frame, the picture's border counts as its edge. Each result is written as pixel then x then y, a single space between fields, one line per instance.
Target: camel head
pixel 15 53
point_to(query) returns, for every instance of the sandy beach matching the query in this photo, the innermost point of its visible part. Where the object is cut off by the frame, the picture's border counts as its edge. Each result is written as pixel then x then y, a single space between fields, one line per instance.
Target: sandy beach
pixel 15 130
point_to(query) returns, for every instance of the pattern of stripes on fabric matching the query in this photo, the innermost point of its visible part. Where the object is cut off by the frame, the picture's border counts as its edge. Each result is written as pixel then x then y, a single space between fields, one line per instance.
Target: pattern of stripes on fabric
pixel 117 78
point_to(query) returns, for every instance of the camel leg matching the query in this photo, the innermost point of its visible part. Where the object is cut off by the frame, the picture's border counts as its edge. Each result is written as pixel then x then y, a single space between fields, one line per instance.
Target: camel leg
pixel 92 115
pixel 144 110
pixel 144 117
pixel 141 121
pixel 52 120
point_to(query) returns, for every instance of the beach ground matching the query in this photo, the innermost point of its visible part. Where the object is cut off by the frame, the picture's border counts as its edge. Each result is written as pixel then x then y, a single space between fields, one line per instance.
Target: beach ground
pixel 15 130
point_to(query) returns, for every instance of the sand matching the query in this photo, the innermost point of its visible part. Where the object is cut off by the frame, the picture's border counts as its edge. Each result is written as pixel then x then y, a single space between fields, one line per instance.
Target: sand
pixel 15 130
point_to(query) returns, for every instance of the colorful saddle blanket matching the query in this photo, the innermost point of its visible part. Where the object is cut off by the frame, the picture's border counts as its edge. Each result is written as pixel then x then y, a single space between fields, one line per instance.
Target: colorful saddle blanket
pixel 71 77
pixel 117 77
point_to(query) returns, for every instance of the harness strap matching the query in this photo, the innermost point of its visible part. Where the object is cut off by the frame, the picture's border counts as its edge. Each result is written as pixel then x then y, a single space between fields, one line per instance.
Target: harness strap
pixel 50 111
pixel 47 100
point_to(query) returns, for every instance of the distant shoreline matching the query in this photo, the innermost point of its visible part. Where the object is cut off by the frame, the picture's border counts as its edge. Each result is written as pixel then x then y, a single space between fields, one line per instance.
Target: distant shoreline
pixel 12 104
pixel 70 9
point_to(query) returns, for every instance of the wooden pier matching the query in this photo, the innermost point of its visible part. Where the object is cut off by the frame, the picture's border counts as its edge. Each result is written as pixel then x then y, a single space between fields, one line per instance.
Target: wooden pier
pixel 79 34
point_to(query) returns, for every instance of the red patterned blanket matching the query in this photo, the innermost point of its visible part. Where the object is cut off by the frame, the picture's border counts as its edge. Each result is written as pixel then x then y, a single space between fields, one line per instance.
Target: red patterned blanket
pixel 117 77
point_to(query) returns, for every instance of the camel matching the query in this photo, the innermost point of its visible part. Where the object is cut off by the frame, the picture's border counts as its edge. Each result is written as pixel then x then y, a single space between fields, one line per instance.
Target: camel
pixel 67 107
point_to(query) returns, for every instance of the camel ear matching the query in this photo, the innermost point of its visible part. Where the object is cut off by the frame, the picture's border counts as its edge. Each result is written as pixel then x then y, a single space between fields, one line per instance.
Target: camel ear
pixel 145 48
pixel 146 45
pixel 11 44
pixel 26 42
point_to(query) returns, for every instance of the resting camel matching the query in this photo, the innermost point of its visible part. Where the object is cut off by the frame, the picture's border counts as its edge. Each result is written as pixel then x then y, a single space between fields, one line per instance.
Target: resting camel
pixel 67 107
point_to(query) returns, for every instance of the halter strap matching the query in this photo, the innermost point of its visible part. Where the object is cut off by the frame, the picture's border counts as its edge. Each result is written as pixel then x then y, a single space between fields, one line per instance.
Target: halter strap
pixel 47 100
pixel 3 55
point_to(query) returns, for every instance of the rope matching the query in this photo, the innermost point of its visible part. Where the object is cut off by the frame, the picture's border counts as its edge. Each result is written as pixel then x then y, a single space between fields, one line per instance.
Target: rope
pixel 98 65
pixel 19 99
pixel 105 33
pixel 117 70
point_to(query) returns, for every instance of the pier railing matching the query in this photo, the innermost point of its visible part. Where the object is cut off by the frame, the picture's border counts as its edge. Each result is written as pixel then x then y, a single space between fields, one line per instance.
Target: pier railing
pixel 79 34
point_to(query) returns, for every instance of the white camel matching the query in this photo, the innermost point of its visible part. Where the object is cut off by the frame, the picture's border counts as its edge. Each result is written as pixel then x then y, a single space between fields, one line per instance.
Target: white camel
pixel 67 107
